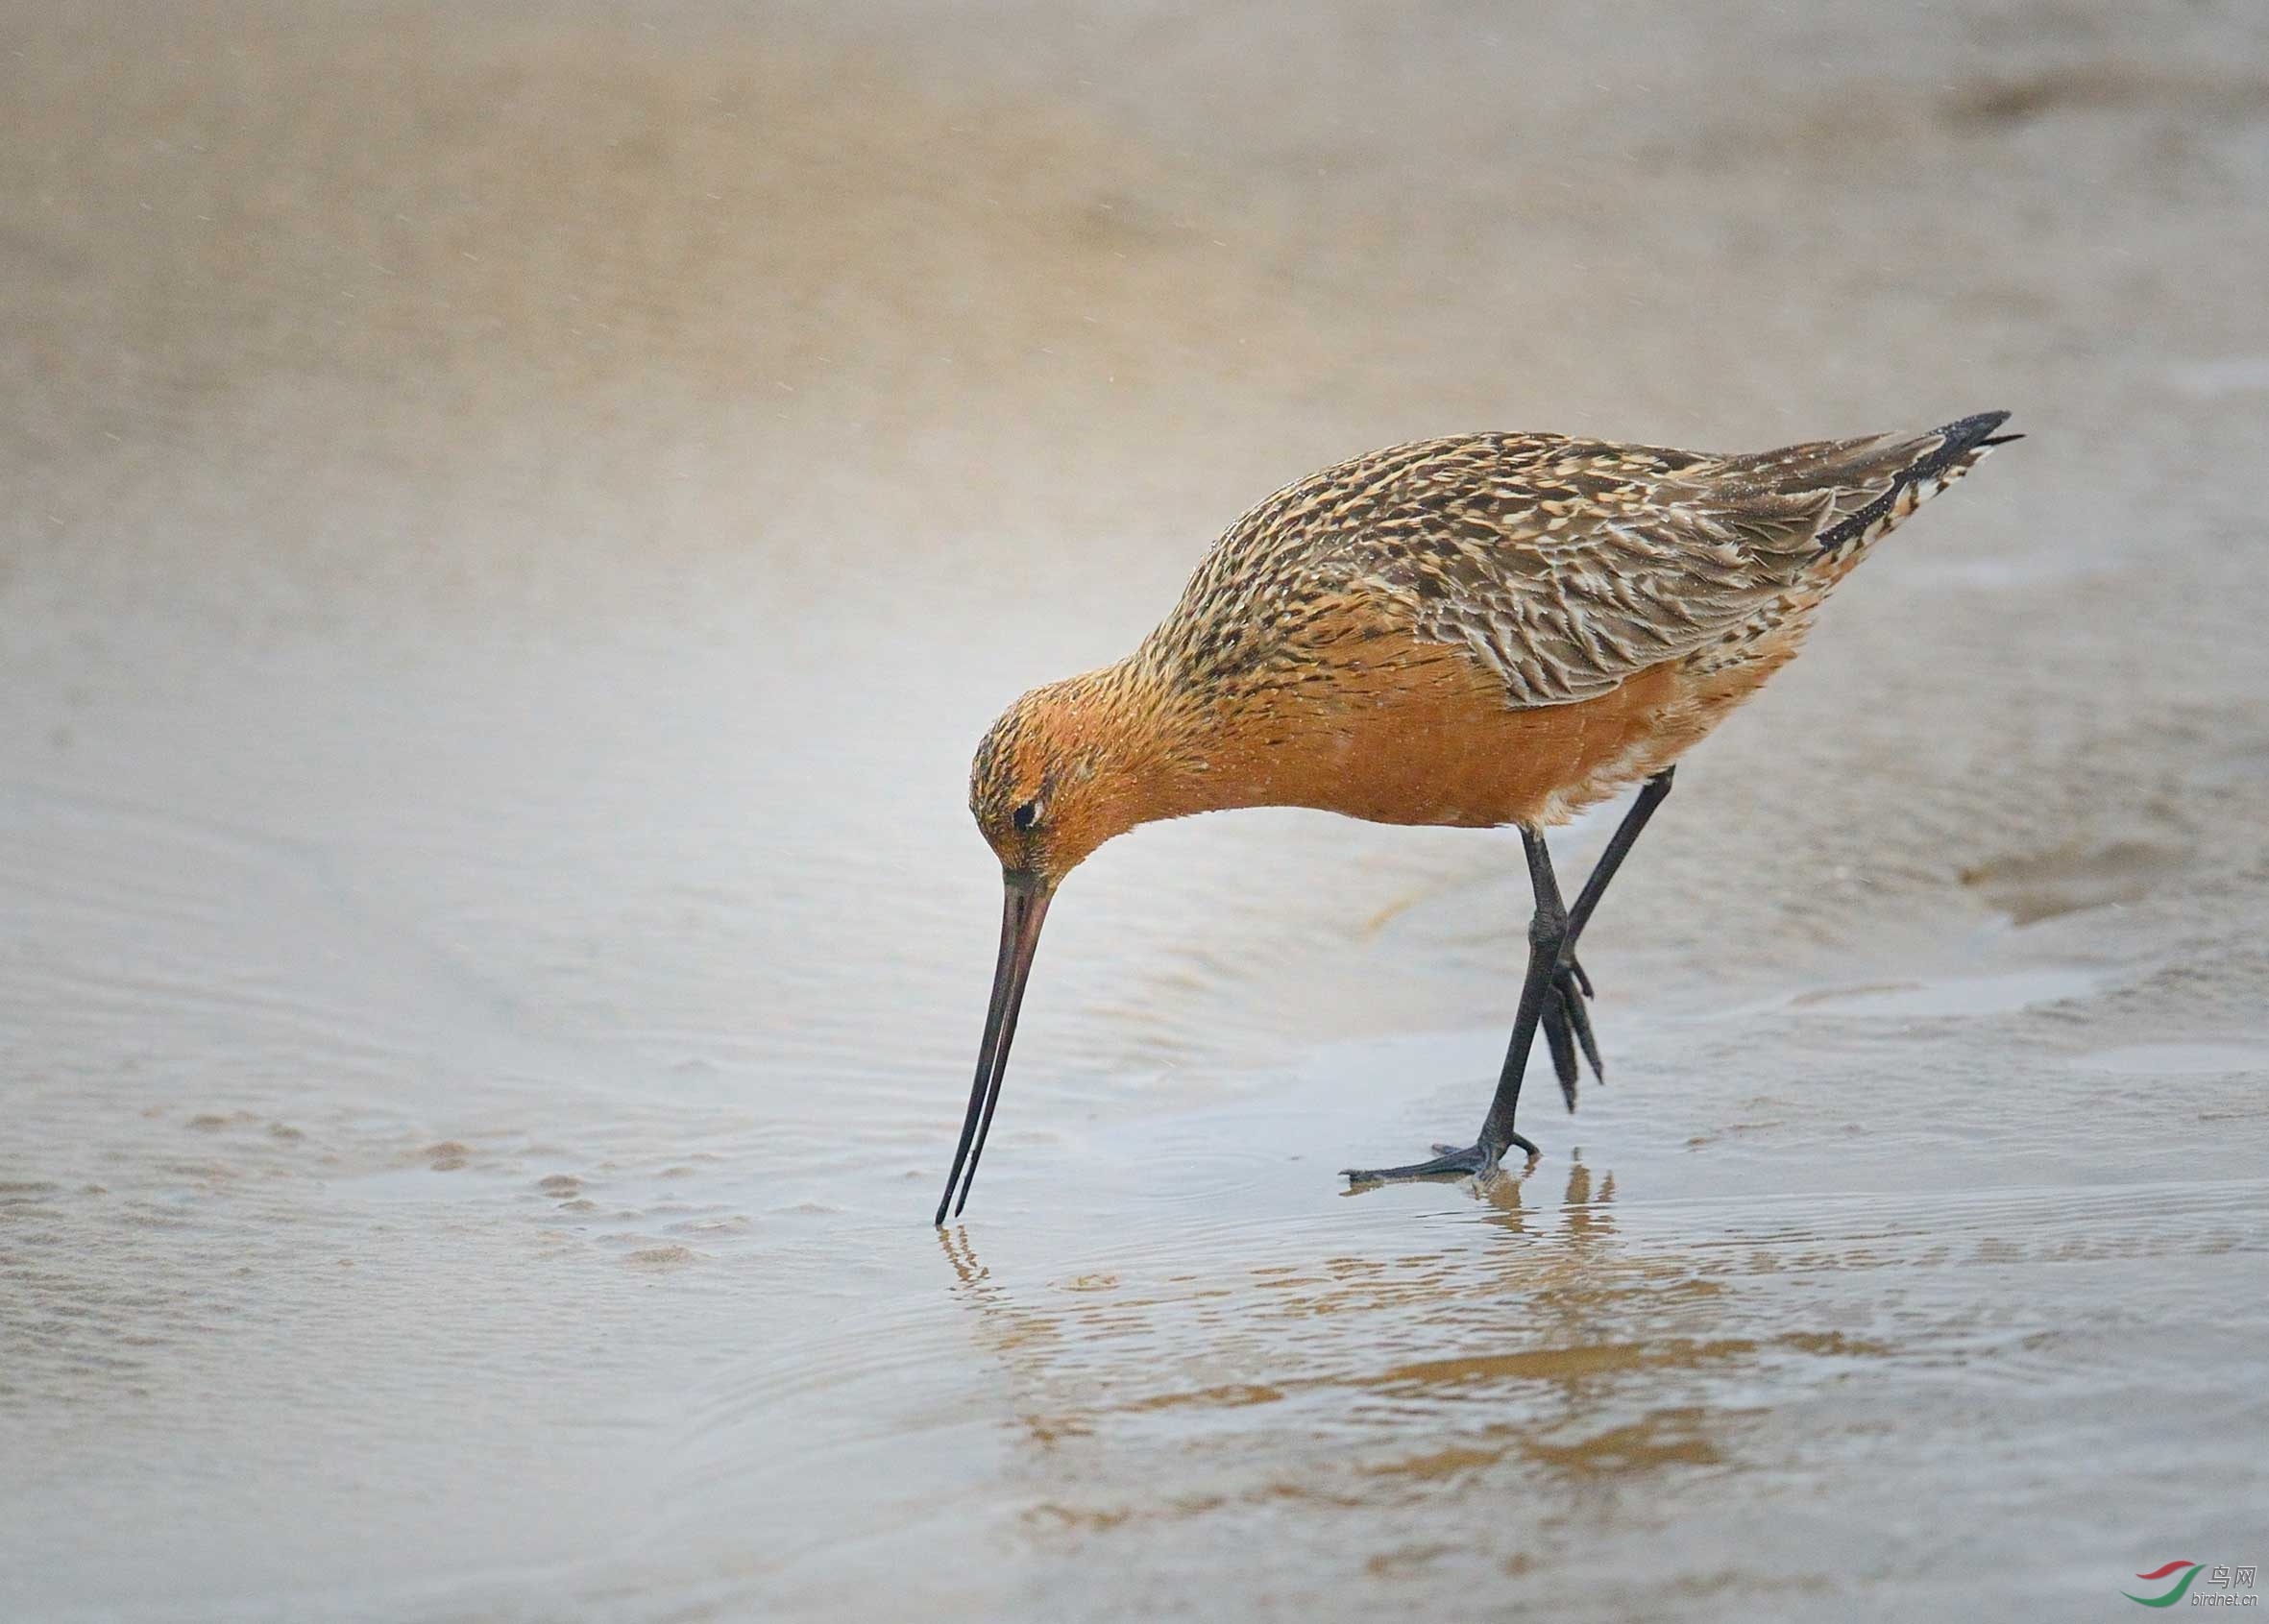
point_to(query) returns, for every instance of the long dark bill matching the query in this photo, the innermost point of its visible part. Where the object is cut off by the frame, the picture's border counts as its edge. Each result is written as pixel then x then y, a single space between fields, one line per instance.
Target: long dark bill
pixel 1024 904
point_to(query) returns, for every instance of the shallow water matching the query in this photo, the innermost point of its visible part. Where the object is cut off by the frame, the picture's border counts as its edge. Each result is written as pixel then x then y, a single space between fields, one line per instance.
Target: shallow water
pixel 468 1212
pixel 497 946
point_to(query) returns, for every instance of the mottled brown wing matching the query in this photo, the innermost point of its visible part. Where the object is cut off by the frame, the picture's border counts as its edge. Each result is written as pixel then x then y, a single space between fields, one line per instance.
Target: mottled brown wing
pixel 1564 566
pixel 1568 566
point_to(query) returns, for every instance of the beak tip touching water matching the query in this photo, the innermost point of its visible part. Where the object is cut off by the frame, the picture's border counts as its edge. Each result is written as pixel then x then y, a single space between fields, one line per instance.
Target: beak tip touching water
pixel 1024 905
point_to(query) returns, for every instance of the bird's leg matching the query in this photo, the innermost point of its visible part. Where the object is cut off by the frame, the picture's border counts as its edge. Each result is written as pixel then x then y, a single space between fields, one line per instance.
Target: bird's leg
pixel 1565 1022
pixel 1552 996
pixel 1547 934
pixel 1618 846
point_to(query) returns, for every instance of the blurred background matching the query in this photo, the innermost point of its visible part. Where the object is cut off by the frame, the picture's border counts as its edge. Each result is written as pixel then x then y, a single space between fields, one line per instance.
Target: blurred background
pixel 515 518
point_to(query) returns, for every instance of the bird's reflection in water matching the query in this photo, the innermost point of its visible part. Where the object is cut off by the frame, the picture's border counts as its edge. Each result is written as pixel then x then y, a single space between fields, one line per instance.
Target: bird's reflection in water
pixel 1582 1214
pixel 1271 1364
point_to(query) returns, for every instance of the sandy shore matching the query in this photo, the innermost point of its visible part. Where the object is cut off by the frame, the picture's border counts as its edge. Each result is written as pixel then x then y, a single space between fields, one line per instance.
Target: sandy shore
pixel 513 523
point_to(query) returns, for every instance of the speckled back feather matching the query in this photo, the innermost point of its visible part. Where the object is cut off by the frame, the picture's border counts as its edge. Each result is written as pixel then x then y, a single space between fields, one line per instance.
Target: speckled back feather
pixel 1563 566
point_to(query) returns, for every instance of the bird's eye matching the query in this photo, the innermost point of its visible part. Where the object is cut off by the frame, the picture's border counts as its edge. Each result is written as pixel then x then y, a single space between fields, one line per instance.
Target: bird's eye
pixel 1026 816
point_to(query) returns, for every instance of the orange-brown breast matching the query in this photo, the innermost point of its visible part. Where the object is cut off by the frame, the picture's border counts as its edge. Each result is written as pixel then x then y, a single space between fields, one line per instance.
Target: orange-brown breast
pixel 1419 733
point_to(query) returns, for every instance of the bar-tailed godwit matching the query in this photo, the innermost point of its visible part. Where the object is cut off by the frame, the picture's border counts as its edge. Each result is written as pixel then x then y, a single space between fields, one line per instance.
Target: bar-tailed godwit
pixel 1490 629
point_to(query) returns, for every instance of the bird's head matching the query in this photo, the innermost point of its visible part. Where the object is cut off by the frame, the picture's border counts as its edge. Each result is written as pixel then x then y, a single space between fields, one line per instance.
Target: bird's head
pixel 1053 779
pixel 1066 768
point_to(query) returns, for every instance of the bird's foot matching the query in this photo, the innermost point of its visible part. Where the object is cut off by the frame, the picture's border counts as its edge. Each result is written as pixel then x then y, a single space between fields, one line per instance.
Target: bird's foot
pixel 1473 1161
pixel 1568 1025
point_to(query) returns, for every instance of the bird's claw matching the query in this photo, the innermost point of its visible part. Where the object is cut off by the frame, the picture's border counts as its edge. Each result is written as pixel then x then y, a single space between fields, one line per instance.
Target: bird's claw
pixel 1567 1033
pixel 1568 1027
pixel 1469 1161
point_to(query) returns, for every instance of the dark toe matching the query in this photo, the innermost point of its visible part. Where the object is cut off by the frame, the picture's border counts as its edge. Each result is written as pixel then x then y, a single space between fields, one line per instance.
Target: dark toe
pixel 1469 1161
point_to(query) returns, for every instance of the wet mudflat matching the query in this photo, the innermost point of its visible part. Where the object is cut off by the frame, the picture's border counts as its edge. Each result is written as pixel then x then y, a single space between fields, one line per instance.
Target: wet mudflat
pixel 502 589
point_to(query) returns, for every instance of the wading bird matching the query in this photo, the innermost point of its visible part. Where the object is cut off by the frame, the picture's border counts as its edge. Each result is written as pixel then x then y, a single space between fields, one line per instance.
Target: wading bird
pixel 1490 629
